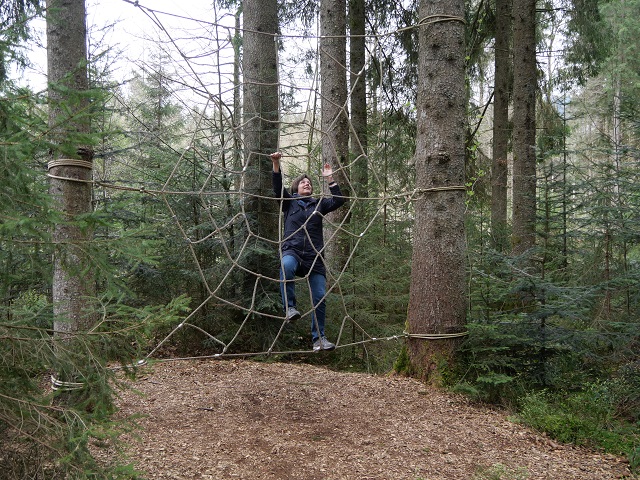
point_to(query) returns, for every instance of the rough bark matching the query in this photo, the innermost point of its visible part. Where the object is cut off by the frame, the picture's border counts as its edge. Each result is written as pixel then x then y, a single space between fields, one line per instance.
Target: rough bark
pixel 502 90
pixel 333 88
pixel 357 52
pixel 524 125
pixel 260 127
pixel 437 295
pixel 71 164
pixel 334 115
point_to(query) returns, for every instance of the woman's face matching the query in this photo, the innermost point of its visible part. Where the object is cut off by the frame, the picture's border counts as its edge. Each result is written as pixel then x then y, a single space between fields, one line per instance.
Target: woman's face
pixel 305 188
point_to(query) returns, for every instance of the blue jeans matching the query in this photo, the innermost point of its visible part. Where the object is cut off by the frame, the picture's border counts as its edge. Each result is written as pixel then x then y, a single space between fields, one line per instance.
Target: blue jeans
pixel 317 285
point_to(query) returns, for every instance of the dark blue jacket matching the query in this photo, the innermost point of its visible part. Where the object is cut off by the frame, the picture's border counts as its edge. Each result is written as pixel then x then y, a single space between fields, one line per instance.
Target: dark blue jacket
pixel 303 225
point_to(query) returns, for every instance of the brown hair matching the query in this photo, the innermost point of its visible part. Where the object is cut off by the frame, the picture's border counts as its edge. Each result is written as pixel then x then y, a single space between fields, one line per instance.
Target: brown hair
pixel 296 182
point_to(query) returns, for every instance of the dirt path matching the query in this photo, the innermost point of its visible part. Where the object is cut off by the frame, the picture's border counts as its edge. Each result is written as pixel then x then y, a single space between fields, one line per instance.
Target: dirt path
pixel 238 419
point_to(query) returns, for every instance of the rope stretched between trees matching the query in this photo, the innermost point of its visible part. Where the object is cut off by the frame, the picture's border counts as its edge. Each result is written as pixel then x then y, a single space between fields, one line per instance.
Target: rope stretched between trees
pixel 151 12
pixel 219 356
pixel 410 194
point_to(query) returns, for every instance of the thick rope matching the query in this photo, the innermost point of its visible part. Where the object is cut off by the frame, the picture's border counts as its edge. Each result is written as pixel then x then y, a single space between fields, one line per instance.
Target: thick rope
pixel 69 162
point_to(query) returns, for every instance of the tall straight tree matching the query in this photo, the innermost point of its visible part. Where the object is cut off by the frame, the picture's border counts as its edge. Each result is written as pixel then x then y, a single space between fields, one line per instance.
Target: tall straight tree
pixel 70 168
pixel 357 55
pixel 260 111
pixel 333 85
pixel 437 293
pixel 502 94
pixel 333 93
pixel 524 125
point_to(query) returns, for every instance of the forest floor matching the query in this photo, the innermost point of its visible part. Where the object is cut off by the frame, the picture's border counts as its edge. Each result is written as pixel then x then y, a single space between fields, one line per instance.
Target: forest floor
pixel 247 420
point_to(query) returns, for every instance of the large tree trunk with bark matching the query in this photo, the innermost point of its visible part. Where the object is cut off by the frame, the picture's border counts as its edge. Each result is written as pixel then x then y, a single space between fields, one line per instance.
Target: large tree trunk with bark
pixel 70 168
pixel 334 115
pixel 261 116
pixel 437 302
pixel 502 90
pixel 357 56
pixel 524 125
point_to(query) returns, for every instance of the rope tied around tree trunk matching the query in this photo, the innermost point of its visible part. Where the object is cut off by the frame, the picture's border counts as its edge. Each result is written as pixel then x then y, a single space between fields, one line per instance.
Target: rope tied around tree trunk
pixel 60 385
pixel 69 162
pixel 440 18
pixel 435 336
pixel 440 189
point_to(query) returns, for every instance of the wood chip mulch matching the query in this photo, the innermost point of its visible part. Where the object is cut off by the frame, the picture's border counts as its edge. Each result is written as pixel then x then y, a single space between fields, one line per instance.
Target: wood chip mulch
pixel 248 420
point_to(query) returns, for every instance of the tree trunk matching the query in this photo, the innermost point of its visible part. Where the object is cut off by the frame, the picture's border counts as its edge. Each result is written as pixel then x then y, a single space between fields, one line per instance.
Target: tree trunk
pixel 437 296
pixel 359 169
pixel 237 105
pixel 261 116
pixel 358 132
pixel 334 116
pixel 502 90
pixel 524 125
pixel 70 168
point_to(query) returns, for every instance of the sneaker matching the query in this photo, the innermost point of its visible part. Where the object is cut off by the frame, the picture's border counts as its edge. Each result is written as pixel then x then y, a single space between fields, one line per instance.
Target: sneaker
pixel 292 314
pixel 323 344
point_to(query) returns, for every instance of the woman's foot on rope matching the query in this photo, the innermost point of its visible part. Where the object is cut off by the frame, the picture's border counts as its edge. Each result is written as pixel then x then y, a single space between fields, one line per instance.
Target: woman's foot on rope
pixel 292 314
pixel 323 344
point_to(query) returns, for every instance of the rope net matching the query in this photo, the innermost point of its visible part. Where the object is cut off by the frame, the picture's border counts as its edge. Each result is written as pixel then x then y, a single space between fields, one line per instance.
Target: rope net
pixel 184 163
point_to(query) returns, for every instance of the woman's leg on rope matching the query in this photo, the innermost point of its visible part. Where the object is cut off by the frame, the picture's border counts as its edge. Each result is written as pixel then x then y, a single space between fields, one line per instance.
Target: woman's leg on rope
pixel 288 270
pixel 318 286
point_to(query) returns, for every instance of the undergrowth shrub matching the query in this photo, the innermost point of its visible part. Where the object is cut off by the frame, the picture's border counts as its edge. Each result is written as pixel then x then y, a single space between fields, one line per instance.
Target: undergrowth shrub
pixel 588 418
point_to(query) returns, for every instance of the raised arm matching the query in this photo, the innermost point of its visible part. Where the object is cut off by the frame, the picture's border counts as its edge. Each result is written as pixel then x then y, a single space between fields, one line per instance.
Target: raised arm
pixel 276 178
pixel 336 200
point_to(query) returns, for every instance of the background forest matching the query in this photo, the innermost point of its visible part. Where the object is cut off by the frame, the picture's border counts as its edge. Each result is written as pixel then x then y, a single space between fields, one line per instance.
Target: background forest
pixel 178 226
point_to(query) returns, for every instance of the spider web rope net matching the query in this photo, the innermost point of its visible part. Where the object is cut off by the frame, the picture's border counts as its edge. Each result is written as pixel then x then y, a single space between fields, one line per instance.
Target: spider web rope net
pixel 201 54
